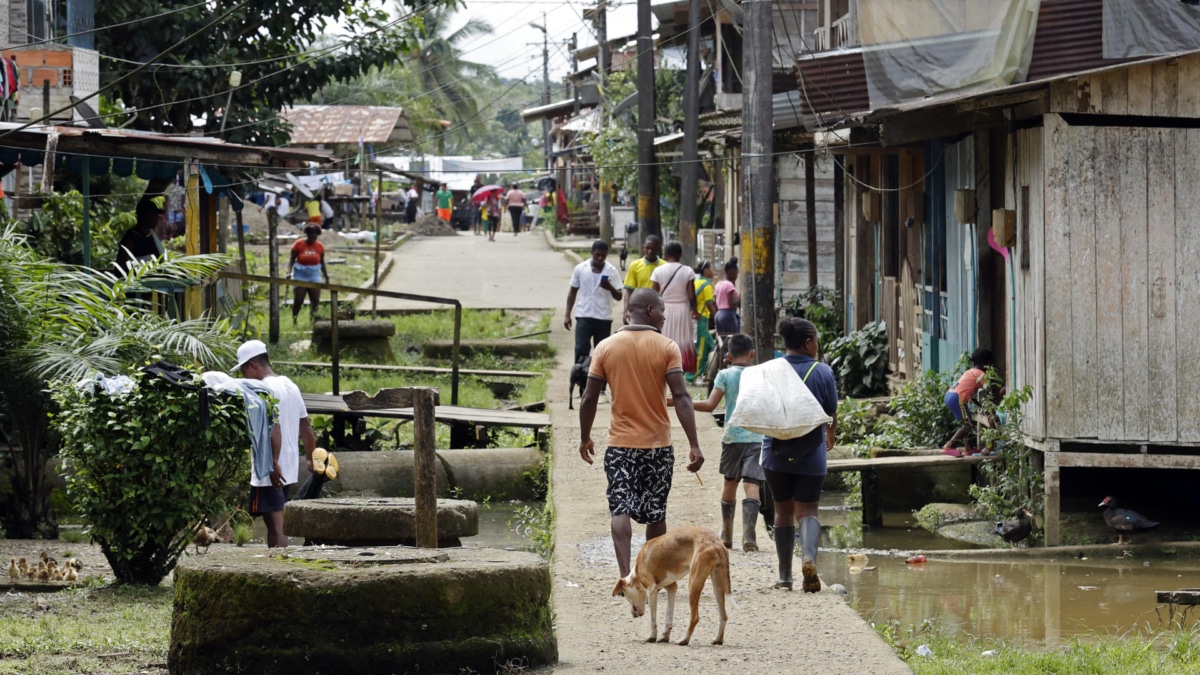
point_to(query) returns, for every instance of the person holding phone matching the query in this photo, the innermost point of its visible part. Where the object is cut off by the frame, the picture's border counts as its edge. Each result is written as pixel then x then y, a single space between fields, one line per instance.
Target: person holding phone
pixel 590 300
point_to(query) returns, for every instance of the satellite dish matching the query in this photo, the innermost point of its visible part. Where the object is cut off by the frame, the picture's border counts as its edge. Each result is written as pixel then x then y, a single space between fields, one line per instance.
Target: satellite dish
pixel 93 119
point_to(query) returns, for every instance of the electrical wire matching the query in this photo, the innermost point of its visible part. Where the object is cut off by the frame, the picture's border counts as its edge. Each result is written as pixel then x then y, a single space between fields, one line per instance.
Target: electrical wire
pixel 56 39
pixel 110 85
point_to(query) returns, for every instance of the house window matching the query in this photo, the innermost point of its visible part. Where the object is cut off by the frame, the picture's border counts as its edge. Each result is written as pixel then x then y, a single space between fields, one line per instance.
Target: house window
pixel 1024 227
pixel 67 79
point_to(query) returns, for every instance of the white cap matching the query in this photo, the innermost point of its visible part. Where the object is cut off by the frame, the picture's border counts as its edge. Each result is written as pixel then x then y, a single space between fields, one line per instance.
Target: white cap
pixel 249 350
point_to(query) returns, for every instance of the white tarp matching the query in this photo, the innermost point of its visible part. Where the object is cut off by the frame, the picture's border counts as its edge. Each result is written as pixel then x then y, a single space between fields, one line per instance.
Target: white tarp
pixel 914 49
pixel 1134 28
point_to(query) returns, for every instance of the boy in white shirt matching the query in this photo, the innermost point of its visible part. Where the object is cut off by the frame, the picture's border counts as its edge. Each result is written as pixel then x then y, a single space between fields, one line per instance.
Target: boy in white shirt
pixel 590 300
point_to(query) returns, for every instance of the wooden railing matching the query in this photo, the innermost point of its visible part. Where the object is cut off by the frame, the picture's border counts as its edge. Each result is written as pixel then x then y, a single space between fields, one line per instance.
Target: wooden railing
pixel 841 34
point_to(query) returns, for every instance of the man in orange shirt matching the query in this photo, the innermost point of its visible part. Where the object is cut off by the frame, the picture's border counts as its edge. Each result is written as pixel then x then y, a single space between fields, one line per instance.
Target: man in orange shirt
pixel 639 364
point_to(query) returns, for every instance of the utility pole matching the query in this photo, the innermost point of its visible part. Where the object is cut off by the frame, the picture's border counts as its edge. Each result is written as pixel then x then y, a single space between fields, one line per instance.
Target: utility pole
pixel 602 65
pixel 758 178
pixel 647 169
pixel 690 171
pixel 574 67
pixel 546 89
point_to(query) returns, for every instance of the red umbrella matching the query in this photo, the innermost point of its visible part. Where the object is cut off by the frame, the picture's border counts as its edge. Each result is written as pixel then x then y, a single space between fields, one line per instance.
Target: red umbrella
pixel 484 192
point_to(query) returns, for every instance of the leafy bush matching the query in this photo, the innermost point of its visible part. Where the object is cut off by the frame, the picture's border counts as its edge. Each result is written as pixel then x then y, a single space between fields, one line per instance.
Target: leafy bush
pixel 1011 481
pixel 143 469
pixel 859 361
pixel 922 419
pixel 819 304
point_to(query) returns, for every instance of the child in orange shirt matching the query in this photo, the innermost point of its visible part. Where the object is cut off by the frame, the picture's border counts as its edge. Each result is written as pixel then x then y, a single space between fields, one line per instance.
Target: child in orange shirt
pixel 961 394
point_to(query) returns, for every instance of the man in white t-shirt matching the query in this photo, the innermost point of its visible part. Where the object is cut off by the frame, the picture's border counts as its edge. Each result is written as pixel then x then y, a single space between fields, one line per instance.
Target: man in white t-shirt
pixel 269 493
pixel 590 300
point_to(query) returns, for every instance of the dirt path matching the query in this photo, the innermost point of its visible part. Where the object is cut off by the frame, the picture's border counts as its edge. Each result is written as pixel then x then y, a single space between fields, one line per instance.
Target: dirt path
pixel 769 631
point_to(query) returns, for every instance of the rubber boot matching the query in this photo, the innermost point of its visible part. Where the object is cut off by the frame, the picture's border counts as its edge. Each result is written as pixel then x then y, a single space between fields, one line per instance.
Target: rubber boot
pixel 749 524
pixel 785 546
pixel 727 511
pixel 810 534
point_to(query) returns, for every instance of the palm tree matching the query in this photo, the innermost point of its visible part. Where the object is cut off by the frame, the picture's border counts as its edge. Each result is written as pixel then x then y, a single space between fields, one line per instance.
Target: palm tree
pixel 444 75
pixel 62 322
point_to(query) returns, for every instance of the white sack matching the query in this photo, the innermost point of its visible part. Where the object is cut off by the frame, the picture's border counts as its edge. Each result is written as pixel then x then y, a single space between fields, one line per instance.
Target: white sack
pixel 775 402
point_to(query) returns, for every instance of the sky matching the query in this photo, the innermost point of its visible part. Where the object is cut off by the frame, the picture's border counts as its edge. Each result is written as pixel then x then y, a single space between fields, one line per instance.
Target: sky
pixel 515 48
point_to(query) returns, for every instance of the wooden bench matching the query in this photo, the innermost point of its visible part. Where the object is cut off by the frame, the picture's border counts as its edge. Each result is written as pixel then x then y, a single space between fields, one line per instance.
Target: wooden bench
pixel 872 501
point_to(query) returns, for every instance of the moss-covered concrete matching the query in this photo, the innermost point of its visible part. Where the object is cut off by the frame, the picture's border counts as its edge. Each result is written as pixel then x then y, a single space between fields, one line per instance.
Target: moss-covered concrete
pixel 521 349
pixel 235 612
pixel 375 521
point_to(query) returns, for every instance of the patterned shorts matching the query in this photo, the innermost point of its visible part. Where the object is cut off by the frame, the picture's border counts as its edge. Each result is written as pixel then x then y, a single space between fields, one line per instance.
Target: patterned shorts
pixel 639 480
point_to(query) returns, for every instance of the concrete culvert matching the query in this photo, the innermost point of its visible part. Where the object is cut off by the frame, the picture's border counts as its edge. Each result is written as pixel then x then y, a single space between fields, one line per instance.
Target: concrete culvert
pixel 237 610
pixel 361 521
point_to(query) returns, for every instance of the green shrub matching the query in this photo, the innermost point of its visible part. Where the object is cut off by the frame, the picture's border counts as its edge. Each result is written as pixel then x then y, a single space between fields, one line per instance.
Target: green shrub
pixel 859 361
pixel 819 304
pixel 143 469
pixel 1012 480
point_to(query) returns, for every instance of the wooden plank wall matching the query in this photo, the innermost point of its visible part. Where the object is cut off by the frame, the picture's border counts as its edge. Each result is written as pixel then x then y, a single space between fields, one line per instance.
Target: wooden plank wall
pixel 1025 180
pixel 793 224
pixel 1122 281
pixel 1165 89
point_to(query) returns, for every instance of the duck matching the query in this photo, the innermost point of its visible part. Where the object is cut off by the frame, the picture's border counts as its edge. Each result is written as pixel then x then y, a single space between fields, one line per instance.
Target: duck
pixel 1017 530
pixel 205 536
pixel 71 576
pixel 14 572
pixel 1124 520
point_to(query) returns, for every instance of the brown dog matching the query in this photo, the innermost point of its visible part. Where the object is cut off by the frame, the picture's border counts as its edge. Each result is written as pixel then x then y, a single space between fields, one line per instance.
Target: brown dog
pixel 693 552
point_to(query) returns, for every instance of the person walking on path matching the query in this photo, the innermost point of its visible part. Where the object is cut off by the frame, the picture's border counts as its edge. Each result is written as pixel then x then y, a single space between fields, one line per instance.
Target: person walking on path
pixel 307 263
pixel 728 301
pixel 675 282
pixel 445 202
pixel 707 308
pixel 490 214
pixel 638 274
pixel 638 364
pixel 411 197
pixel 590 300
pixel 515 199
pixel 740 449
pixel 795 469
pixel 477 217
pixel 269 493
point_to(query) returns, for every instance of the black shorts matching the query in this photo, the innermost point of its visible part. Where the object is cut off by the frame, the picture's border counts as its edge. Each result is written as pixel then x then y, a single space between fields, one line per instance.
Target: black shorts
pixel 268 499
pixel 639 481
pixel 793 486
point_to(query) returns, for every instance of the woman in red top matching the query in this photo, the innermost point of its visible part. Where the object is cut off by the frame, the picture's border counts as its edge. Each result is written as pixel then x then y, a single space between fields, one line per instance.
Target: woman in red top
pixel 308 264
pixel 957 398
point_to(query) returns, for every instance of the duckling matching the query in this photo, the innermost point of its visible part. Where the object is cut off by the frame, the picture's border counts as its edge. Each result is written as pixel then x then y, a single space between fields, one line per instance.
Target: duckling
pixel 55 573
pixel 14 572
pixel 43 574
pixel 71 575
pixel 78 564
pixel 23 567
pixel 205 536
pixel 45 556
pixel 72 562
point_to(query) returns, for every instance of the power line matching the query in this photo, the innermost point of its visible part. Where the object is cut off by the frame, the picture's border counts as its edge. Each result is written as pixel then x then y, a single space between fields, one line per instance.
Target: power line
pixel 98 29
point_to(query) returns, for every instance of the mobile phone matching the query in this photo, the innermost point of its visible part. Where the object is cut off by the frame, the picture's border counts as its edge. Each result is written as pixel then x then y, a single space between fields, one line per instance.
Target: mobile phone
pixel 604 278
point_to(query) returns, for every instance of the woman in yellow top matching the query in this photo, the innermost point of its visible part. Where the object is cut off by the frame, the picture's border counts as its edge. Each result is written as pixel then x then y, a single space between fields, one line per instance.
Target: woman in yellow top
pixel 706 306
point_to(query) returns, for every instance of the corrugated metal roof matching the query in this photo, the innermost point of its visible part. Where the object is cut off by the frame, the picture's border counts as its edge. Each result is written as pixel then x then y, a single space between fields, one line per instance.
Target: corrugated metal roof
pixel 834 84
pixel 125 143
pixel 347 124
pixel 1070 38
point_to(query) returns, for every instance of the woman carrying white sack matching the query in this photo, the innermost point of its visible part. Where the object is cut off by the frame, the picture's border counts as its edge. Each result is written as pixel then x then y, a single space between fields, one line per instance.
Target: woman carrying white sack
pixel 795 468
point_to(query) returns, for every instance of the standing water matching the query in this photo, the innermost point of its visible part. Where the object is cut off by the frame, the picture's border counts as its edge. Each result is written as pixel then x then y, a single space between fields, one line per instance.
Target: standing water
pixel 1028 601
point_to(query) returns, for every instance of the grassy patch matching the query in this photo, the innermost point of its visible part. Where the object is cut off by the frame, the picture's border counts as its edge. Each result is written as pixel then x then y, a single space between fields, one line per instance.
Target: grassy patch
pixel 112 629
pixel 1175 651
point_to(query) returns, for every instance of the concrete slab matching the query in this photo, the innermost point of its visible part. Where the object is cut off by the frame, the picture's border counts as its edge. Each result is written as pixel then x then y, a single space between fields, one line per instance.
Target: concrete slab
pixel 512 272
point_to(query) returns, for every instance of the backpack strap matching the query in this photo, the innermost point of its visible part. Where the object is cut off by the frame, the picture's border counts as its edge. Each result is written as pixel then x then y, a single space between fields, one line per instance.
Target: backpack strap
pixel 810 369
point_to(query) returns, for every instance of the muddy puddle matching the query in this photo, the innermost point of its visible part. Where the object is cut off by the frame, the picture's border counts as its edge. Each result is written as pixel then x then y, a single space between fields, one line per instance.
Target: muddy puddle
pixel 1031 602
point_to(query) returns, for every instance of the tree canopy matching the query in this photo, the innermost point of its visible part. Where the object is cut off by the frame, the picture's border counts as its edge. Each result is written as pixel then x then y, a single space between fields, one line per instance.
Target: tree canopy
pixel 273 44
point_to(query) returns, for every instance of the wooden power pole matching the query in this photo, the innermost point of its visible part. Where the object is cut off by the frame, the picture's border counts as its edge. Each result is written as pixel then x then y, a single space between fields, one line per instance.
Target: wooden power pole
pixel 690 170
pixel 647 169
pixel 758 180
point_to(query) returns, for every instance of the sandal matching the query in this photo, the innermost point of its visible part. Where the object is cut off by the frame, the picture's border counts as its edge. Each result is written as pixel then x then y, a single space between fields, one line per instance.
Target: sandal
pixel 953 452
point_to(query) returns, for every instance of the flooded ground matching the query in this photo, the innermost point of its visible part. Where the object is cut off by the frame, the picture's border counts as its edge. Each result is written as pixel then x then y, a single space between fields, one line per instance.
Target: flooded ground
pixel 1031 602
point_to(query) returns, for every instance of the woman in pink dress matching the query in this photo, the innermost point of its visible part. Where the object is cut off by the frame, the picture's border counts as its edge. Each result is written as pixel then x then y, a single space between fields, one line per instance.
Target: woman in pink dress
pixel 674 282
